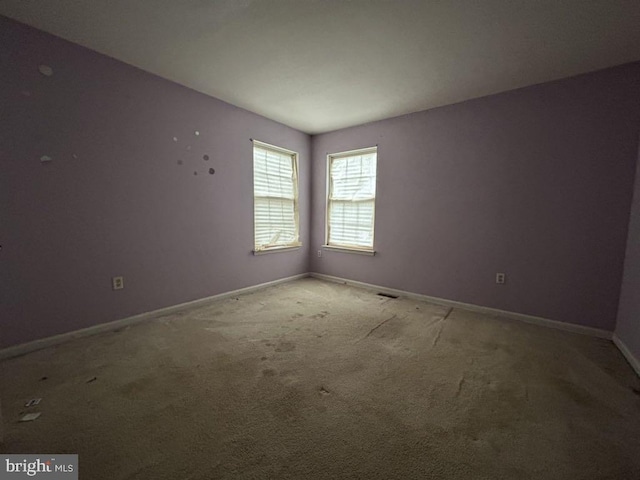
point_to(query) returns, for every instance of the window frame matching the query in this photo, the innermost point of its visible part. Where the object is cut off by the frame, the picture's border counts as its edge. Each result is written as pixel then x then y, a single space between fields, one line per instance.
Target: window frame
pixel 296 244
pixel 345 247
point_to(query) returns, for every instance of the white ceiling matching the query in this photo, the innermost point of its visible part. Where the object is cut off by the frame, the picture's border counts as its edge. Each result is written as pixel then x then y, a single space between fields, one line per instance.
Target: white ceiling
pixel 321 65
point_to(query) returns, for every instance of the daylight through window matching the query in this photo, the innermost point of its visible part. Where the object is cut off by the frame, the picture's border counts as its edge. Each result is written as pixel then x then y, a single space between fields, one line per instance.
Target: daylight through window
pixel 275 197
pixel 351 199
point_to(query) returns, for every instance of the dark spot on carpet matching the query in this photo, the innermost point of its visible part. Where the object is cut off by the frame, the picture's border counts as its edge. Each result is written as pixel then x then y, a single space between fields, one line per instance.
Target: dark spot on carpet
pixel 269 372
pixel 285 347
pixel 575 393
pixel 388 295
pixel 137 387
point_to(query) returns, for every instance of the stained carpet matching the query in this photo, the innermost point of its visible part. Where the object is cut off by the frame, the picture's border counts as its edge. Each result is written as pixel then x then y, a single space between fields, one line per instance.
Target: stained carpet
pixel 317 380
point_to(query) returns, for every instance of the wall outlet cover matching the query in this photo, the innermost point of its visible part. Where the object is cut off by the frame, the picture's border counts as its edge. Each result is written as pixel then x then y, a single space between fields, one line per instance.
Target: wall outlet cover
pixel 117 283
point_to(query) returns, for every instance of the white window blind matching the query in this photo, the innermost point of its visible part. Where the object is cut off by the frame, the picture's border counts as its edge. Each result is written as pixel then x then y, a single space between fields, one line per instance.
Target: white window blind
pixel 275 197
pixel 351 199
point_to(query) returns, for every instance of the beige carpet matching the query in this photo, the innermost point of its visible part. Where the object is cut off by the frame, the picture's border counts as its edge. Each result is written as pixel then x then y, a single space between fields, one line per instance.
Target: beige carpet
pixel 319 380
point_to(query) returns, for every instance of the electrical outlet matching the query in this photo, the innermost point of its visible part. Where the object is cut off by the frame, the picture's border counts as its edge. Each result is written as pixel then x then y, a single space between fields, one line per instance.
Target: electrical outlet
pixel 319 253
pixel 117 283
pixel 500 278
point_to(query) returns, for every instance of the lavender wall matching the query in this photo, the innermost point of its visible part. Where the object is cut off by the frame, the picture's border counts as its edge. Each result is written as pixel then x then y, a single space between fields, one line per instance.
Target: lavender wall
pixel 535 183
pixel 628 326
pixel 114 200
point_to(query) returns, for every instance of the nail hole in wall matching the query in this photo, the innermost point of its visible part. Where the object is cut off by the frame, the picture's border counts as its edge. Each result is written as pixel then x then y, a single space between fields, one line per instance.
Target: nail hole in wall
pixel 206 157
pixel 195 173
pixel 180 162
pixel 45 158
pixel 45 70
pixel 211 171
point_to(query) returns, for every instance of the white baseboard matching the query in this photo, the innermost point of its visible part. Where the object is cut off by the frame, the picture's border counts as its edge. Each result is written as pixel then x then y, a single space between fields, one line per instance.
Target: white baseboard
pixel 570 327
pixel 24 348
pixel 633 361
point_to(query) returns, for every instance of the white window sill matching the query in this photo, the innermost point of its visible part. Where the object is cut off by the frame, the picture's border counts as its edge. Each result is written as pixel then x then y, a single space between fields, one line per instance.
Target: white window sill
pixel 349 250
pixel 276 249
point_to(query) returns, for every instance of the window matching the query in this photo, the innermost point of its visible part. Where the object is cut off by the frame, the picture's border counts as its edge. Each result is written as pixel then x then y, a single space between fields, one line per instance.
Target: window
pixel 351 199
pixel 275 197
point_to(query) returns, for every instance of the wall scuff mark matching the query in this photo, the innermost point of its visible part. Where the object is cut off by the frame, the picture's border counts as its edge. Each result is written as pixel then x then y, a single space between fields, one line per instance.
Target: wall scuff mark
pixel 45 70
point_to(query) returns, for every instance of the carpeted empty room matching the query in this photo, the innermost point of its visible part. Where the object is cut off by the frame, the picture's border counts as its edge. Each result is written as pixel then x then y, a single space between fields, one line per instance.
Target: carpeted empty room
pixel 304 239
pixel 312 379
